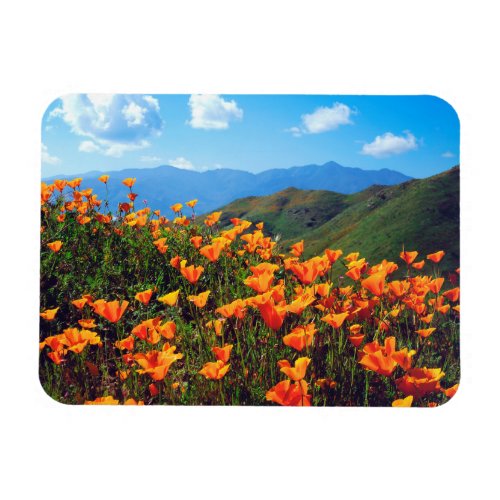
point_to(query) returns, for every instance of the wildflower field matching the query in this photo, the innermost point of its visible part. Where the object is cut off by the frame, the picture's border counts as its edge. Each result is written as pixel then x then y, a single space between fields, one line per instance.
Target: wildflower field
pixel 139 307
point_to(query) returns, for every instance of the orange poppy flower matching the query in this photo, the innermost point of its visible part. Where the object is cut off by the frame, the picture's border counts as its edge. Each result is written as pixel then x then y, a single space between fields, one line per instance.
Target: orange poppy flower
pixel 404 358
pixel 80 303
pixel 272 314
pixel 57 357
pixel 55 246
pixel 287 394
pixel 105 400
pixel 377 362
pixel 212 219
pixel 452 295
pixel 450 392
pixel 49 314
pixel 176 207
pixel 127 343
pixel 355 329
pixel 398 288
pixel 300 337
pixel 237 308
pixel 401 403
pixel 309 270
pixel 75 182
pixel 425 332
pixel 437 256
pixel 223 353
pixel 335 320
pixel 435 285
pixel 427 319
pixel 170 299
pixel 196 241
pixel 214 370
pixel 167 330
pixel 104 178
pixel 260 283
pixel 443 309
pixel 408 257
pixel 375 283
pixel 199 300
pixel 333 255
pixel 297 249
pixel 76 340
pixel 325 383
pixel 354 273
pixel 112 311
pixel 418 265
pixel 351 257
pixel 147 330
pixel 175 262
pixel 157 363
pixel 192 203
pixel 216 324
pixel 191 273
pixel 264 268
pixel 104 219
pixel 379 359
pixel 87 323
pixel 420 381
pixel 144 296
pixel 211 252
pixel 129 182
pixel 356 340
pixel 133 402
pixel 300 303
pixel 298 372
pixel 182 221
pixel 60 184
pixel 83 219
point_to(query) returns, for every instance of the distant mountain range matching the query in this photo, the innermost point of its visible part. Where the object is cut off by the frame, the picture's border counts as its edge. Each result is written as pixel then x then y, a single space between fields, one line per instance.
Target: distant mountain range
pixel 421 214
pixel 165 185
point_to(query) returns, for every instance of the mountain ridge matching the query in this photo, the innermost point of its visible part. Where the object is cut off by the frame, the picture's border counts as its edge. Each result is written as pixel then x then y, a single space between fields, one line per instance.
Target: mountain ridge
pixel 165 185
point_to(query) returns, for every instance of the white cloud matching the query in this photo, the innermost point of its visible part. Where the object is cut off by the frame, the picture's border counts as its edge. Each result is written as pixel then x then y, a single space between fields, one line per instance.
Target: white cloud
pixel 150 159
pixel 212 112
pixel 88 147
pixel 323 119
pixel 113 123
pixel 389 144
pixel 117 149
pixel 183 163
pixel 295 131
pixel 134 114
pixel 152 102
pixel 448 154
pixel 48 158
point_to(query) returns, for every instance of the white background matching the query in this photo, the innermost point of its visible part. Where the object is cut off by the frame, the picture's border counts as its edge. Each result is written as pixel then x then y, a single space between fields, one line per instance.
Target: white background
pixel 385 47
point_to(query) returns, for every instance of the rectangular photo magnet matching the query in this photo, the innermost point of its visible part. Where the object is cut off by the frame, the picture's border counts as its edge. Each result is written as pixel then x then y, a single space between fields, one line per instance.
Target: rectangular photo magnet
pixel 250 250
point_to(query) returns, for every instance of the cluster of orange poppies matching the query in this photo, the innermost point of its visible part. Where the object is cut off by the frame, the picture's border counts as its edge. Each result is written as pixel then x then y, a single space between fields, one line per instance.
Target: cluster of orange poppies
pixel 368 309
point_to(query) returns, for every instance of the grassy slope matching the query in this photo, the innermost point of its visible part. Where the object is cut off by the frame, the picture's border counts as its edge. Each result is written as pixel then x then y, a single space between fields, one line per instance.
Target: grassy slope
pixel 290 213
pixel 421 214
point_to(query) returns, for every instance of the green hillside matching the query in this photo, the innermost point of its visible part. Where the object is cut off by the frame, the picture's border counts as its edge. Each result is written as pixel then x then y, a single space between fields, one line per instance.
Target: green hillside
pixel 421 214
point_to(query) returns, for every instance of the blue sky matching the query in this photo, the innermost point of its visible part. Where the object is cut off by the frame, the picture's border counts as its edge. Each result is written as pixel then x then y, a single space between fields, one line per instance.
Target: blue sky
pixel 416 135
